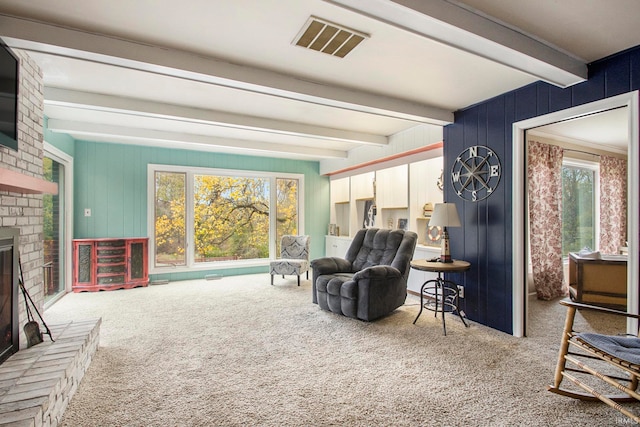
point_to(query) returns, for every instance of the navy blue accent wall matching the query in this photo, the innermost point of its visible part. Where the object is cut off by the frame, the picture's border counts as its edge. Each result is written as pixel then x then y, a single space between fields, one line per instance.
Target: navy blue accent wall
pixel 486 236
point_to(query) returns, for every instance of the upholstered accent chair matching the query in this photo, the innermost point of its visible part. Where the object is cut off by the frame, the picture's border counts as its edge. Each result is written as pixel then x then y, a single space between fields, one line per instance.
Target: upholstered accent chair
pixel 294 257
pixel 371 281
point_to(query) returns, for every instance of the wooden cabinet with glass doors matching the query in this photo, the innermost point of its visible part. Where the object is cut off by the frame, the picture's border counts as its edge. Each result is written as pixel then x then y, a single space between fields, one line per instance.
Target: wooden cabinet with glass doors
pixel 108 264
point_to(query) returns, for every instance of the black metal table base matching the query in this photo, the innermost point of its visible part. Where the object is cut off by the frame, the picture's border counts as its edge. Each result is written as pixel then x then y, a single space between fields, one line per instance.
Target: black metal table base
pixel 443 296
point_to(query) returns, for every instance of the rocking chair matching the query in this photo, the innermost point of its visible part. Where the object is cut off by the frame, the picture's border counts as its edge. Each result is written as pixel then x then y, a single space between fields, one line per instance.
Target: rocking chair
pixel 618 351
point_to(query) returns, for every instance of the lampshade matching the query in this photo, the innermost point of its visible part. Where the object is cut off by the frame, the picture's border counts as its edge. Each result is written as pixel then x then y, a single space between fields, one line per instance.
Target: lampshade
pixel 445 215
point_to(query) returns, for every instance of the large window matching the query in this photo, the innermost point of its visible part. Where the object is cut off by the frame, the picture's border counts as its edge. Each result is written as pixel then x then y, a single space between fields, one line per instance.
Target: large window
pixel 286 208
pixel 579 205
pixel 169 218
pixel 231 218
pixel 223 216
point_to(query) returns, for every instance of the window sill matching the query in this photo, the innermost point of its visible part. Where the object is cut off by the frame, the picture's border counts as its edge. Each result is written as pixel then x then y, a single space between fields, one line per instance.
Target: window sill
pixel 210 266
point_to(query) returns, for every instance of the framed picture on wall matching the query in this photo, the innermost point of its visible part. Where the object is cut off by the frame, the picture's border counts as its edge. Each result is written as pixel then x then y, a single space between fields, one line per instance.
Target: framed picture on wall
pixel 403 224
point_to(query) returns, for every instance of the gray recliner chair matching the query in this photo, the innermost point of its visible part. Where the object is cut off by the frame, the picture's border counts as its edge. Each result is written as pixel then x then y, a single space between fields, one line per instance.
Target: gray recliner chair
pixel 371 281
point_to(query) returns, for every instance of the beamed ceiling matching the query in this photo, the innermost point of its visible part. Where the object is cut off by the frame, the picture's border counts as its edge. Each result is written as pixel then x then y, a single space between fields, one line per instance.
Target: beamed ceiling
pixel 231 75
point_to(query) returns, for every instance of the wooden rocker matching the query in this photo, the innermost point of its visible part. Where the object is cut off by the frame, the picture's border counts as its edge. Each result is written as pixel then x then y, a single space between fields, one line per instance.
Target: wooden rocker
pixel 619 351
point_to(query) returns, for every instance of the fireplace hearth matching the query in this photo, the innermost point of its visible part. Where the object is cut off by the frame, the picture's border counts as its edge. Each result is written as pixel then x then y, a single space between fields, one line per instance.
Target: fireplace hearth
pixel 9 338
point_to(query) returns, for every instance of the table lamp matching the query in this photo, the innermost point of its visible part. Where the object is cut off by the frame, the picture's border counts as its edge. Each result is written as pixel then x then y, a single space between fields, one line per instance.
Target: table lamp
pixel 445 215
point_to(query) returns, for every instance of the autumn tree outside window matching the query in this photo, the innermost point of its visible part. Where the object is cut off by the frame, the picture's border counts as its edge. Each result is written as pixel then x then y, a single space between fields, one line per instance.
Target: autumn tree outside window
pixel 223 215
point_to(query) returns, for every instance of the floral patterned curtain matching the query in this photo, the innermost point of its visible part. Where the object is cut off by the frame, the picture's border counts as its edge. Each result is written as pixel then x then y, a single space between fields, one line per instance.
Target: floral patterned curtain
pixel 544 178
pixel 613 204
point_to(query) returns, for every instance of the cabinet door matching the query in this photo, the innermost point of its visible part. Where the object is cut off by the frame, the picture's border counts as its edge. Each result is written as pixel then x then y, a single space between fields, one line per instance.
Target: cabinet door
pixel 343 247
pixel 418 277
pixel 137 260
pixel 362 186
pixel 339 190
pixel 392 186
pixel 336 246
pixel 111 262
pixel 84 262
pixel 331 246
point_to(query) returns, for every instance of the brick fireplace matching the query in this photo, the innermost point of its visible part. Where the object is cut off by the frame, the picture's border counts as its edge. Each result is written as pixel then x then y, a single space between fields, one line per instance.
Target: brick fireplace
pixel 21 172
pixel 38 382
pixel 9 336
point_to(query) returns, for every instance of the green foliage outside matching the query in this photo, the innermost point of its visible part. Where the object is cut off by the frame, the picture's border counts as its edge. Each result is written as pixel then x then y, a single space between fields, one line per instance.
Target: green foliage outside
pixel 287 208
pixel 578 209
pixel 170 220
pixel 230 216
pixel 47 200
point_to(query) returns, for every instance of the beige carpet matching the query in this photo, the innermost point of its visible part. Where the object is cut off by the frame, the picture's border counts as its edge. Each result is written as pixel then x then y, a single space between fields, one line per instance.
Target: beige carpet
pixel 238 351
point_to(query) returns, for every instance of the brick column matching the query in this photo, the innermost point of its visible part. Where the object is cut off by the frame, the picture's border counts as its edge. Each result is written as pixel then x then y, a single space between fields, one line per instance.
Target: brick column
pixel 25 211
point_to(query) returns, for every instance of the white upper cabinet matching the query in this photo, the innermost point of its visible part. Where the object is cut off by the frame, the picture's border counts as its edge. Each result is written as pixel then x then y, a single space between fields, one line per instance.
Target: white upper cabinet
pixel 399 193
pixel 340 208
pixel 340 190
pixel 392 185
pixel 362 186
pixel 423 184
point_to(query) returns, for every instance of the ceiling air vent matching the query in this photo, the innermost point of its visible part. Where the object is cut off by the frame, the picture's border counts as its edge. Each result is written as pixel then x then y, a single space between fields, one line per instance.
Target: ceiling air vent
pixel 324 36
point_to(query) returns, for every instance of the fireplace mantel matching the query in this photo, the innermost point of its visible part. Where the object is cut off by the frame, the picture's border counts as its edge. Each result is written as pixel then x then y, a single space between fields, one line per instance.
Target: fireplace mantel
pixel 17 182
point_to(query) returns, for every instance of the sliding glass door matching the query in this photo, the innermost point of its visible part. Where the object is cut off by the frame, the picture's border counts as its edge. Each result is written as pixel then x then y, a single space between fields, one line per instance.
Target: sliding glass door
pixel 57 209
pixel 53 207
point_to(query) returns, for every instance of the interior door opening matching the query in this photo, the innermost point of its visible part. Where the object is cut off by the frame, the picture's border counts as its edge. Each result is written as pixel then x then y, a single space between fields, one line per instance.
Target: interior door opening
pixel 629 102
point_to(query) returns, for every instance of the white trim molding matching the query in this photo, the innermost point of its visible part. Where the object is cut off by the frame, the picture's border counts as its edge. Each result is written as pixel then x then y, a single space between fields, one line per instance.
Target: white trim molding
pixel 519 194
pixel 66 160
pixel 189 172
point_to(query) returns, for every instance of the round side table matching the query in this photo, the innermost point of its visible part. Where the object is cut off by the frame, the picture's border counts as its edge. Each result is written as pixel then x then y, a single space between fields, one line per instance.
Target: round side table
pixel 441 295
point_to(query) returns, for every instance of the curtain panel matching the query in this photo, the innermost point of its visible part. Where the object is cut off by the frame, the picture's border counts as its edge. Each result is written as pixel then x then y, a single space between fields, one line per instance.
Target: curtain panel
pixel 544 180
pixel 613 204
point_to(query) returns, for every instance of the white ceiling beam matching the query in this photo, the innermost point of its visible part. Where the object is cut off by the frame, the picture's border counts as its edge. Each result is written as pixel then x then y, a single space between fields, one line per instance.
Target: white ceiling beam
pixel 468 30
pixel 42 37
pixel 98 102
pixel 185 140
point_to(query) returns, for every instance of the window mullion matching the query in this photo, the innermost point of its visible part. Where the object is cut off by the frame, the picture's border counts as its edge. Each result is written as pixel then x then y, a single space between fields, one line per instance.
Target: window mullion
pixel 273 216
pixel 189 220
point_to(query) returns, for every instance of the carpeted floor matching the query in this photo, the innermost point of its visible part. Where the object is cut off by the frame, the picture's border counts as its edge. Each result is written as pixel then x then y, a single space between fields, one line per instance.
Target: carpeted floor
pixel 238 351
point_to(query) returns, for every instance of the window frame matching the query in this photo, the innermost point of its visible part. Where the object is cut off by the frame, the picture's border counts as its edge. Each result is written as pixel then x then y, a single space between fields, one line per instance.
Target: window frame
pixel 190 172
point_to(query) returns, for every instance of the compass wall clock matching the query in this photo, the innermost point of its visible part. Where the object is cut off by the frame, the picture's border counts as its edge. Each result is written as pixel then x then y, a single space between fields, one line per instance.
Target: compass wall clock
pixel 475 173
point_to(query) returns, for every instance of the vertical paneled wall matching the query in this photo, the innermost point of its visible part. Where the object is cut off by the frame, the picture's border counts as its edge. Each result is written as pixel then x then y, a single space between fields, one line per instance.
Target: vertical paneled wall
pixel 111 180
pixel 486 236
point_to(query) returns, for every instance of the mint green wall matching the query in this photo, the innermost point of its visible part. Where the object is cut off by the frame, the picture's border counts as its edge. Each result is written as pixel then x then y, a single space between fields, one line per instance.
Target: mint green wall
pixel 59 140
pixel 111 180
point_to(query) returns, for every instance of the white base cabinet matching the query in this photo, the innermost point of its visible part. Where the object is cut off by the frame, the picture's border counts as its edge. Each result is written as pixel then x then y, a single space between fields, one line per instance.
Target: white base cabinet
pixel 337 246
pixel 417 277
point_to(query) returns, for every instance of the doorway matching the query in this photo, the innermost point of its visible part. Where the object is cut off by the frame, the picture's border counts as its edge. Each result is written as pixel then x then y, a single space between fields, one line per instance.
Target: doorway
pixel 520 226
pixel 57 208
